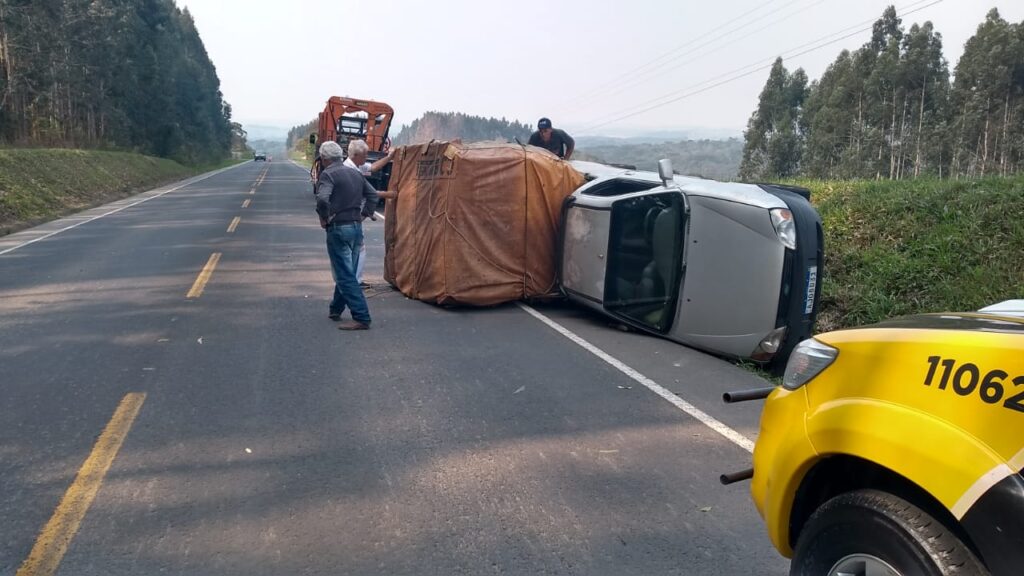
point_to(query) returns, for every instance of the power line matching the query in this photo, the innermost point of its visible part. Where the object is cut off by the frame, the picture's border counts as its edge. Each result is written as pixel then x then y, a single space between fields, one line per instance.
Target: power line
pixel 669 53
pixel 639 81
pixel 742 72
pixel 761 65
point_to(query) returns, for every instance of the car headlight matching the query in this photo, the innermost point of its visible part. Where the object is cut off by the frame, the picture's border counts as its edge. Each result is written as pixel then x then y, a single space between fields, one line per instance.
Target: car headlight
pixel 785 227
pixel 808 360
pixel 769 345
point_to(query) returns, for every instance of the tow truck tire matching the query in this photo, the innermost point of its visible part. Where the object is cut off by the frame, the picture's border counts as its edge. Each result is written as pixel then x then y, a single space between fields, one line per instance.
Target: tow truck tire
pixel 878 526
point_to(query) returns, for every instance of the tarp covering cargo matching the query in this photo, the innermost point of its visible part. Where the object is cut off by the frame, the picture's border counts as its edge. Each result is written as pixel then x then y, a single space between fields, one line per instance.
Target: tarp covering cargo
pixel 475 224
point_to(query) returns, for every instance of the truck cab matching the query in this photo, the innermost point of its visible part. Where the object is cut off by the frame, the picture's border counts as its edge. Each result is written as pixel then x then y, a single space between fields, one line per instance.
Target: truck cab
pixel 346 119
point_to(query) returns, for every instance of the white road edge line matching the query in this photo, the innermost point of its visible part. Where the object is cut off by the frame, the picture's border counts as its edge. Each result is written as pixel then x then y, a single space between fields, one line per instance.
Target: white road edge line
pixel 706 419
pixel 188 182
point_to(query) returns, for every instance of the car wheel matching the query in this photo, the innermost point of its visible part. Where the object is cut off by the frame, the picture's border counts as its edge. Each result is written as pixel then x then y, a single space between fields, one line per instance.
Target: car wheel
pixel 873 533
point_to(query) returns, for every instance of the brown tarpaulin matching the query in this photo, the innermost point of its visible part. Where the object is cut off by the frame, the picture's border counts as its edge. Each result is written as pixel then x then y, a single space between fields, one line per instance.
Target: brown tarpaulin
pixel 475 224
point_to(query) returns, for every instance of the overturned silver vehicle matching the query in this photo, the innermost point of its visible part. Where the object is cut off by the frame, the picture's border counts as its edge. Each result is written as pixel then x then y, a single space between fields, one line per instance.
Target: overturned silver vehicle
pixel 725 267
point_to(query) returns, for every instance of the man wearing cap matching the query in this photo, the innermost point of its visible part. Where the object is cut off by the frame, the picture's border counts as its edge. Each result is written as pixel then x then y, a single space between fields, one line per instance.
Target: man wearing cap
pixel 343 199
pixel 553 139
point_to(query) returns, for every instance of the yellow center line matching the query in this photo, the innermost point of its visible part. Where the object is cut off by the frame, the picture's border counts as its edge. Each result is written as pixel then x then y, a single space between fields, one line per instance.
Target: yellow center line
pixel 252 190
pixel 246 203
pixel 56 536
pixel 234 224
pixel 204 276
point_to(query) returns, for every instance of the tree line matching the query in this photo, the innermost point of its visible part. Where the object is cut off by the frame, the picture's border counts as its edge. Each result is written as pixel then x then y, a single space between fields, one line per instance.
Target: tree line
pixel 298 136
pixel 125 74
pixel 456 125
pixel 889 110
pixel 435 126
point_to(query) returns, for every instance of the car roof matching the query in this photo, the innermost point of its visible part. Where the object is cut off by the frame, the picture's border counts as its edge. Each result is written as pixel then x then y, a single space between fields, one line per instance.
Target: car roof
pixel 970 321
pixel 990 319
pixel 1006 308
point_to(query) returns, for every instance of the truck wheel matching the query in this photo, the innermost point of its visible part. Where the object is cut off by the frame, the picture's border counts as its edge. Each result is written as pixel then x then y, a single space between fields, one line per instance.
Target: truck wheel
pixel 873 533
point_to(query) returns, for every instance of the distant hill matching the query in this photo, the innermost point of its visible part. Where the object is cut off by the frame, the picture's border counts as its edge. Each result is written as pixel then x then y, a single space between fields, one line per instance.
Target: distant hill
pixel 456 125
pixel 718 159
pixel 659 136
pixel 263 132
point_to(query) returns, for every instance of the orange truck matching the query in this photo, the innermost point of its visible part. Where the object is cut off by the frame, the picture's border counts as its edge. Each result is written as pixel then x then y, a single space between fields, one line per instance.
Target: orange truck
pixel 346 119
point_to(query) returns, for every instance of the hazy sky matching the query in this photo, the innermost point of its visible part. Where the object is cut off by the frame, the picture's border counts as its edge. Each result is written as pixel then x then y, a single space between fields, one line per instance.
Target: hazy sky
pixel 583 63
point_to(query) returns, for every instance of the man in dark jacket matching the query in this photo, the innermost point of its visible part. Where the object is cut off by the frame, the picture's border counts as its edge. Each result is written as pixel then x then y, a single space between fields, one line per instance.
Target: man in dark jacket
pixel 343 199
pixel 553 139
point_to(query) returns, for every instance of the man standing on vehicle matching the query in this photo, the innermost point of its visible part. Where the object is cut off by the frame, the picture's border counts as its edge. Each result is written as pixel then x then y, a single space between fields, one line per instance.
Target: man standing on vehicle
pixel 358 151
pixel 343 199
pixel 553 139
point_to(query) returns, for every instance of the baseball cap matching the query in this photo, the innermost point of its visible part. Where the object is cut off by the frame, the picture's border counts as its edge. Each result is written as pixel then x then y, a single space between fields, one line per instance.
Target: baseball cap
pixel 543 123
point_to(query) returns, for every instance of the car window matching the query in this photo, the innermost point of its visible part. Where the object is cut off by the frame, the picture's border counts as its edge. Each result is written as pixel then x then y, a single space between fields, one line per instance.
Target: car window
pixel 645 259
pixel 618 187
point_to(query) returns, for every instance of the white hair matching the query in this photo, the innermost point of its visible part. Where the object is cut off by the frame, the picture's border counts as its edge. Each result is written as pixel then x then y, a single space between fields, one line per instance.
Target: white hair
pixel 357 148
pixel 330 150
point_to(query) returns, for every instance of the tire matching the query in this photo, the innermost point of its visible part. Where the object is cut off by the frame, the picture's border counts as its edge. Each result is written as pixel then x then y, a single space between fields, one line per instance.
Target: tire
pixel 879 526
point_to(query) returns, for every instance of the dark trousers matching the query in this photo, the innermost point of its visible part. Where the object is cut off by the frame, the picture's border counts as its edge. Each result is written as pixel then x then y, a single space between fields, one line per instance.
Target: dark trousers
pixel 344 242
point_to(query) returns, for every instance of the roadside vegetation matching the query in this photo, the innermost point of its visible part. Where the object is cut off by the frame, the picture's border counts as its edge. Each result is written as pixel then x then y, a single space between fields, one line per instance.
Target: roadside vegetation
pixel 918 173
pixel 927 245
pixel 111 75
pixel 890 110
pixel 37 185
pixel 79 80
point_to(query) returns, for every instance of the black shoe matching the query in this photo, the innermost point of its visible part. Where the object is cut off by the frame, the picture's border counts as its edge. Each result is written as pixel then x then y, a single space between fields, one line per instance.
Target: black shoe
pixel 353 325
pixel 334 316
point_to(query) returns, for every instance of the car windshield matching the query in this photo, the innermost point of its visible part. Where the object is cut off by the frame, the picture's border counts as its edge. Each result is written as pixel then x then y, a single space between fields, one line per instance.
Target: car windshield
pixel 644 259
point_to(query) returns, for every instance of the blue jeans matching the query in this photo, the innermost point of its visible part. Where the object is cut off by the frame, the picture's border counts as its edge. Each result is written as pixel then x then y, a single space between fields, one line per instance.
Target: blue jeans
pixel 343 244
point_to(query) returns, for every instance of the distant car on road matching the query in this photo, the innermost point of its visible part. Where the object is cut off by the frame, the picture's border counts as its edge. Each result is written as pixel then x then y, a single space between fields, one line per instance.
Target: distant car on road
pixel 898 449
pixel 259 156
pixel 726 267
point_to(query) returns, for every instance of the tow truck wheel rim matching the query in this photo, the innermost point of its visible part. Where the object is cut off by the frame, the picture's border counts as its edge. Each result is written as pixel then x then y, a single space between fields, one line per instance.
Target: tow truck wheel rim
pixel 862 565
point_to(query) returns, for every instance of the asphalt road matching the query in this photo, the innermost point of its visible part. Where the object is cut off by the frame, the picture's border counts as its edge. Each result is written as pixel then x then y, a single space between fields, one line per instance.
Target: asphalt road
pixel 254 438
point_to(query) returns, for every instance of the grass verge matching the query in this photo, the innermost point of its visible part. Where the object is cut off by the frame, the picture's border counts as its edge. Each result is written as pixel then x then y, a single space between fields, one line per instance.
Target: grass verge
pixel 906 247
pixel 38 185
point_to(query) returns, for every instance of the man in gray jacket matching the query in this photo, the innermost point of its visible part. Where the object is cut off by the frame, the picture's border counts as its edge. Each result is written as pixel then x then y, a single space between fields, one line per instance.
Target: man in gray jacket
pixel 343 199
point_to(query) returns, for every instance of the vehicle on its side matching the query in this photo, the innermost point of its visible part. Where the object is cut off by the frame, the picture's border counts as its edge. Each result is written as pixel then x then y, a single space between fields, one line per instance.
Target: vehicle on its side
pixel 898 448
pixel 346 119
pixel 256 157
pixel 725 267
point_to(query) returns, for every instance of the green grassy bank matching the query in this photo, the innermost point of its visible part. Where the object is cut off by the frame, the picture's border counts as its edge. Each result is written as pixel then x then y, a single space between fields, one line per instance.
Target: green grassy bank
pixel 37 185
pixel 904 247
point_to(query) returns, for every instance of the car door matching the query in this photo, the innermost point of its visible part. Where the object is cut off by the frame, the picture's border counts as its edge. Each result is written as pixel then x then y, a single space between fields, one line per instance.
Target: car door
pixel 623 251
pixel 645 267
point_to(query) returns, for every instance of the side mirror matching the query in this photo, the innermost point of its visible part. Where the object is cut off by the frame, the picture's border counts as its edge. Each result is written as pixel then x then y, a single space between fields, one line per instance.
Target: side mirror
pixel 665 171
pixel 312 138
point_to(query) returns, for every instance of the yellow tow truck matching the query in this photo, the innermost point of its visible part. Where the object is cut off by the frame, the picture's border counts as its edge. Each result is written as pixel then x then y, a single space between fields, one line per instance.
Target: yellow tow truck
pixel 897 449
